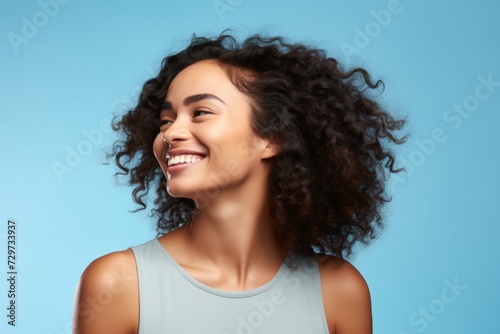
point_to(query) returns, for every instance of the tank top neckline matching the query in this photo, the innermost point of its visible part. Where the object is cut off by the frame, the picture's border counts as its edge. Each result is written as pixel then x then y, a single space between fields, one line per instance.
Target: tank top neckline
pixel 222 293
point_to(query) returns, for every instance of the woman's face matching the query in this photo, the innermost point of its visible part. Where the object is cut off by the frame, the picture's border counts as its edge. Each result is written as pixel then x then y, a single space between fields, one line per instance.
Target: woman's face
pixel 206 145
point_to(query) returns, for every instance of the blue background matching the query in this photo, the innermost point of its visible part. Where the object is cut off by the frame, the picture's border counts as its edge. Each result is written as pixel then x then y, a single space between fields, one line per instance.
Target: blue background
pixel 83 61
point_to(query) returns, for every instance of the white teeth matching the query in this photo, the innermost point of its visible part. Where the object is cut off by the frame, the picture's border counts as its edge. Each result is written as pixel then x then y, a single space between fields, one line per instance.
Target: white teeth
pixel 179 159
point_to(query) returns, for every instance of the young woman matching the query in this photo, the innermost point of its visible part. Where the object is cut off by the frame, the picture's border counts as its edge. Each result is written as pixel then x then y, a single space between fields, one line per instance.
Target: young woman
pixel 268 162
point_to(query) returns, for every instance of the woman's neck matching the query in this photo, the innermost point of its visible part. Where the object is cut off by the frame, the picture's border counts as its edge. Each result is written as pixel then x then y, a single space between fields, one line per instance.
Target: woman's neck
pixel 232 233
pixel 236 238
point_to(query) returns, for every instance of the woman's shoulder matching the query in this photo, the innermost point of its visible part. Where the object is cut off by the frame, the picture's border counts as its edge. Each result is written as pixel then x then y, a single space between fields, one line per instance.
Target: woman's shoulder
pixel 111 268
pixel 107 295
pixel 346 296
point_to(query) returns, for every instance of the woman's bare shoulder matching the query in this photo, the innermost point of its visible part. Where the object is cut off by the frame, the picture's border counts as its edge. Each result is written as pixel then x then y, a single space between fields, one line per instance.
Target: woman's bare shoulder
pixel 346 297
pixel 107 296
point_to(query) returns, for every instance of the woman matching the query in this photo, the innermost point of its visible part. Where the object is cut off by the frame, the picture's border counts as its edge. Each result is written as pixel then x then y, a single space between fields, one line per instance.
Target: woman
pixel 268 163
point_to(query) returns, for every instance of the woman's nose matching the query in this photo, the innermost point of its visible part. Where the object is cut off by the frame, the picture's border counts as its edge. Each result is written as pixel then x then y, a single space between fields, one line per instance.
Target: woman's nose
pixel 177 131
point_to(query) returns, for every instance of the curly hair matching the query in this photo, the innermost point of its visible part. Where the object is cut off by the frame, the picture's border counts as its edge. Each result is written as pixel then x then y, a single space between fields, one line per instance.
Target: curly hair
pixel 327 184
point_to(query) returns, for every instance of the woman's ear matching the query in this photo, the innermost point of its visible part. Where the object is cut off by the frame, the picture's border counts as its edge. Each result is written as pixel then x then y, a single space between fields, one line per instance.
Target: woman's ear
pixel 270 150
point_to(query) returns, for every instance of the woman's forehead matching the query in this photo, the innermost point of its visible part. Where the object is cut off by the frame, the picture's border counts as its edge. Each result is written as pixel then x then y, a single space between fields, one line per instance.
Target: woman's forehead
pixel 205 75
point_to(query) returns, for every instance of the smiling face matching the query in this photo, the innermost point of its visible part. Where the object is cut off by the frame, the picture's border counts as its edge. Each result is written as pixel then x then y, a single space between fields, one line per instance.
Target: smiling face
pixel 206 145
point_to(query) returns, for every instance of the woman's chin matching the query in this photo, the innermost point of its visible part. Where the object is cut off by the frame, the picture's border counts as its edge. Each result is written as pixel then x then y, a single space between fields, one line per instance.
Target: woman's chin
pixel 181 190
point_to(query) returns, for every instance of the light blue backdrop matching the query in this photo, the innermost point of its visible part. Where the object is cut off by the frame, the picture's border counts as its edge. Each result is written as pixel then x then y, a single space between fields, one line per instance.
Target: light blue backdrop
pixel 67 66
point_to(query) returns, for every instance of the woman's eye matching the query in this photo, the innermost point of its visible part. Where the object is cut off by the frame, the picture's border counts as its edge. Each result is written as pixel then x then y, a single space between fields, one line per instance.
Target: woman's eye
pixel 165 122
pixel 200 112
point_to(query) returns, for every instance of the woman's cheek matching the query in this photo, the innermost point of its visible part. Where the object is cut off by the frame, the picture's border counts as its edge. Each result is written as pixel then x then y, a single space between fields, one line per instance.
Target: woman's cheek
pixel 159 150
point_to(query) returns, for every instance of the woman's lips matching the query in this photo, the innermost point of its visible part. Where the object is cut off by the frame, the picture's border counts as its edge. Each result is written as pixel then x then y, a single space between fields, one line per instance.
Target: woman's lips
pixel 178 163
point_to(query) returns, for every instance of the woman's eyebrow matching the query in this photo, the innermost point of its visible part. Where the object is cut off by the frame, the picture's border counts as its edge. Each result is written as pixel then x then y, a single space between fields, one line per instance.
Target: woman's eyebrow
pixel 199 97
pixel 167 105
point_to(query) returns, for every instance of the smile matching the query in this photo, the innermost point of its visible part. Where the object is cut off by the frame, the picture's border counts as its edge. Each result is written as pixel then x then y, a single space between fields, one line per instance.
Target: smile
pixel 183 159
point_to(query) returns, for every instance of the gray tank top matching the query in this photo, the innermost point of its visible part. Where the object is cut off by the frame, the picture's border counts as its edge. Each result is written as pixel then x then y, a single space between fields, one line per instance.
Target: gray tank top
pixel 172 301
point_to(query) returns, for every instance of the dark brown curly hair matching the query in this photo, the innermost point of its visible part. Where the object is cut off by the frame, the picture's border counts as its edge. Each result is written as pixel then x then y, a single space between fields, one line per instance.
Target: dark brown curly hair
pixel 327 184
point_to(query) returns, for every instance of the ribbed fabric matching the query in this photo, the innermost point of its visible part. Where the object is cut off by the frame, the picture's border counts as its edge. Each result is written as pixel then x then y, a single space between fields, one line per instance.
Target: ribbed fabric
pixel 172 301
